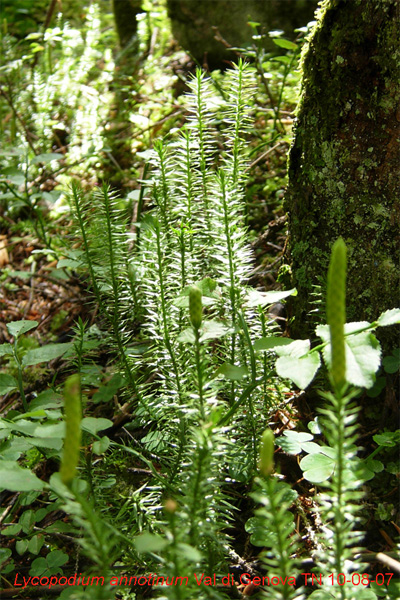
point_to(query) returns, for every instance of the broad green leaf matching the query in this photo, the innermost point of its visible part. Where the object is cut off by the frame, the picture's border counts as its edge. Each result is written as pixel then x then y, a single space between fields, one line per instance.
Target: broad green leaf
pixel 100 446
pixel 31 413
pixel 93 425
pixel 23 426
pixel 328 451
pixel 56 558
pixel 49 430
pixel 137 350
pixel 51 565
pixel 271 343
pixel 16 479
pixel 311 448
pixel 9 568
pixel 256 298
pixel 41 513
pixel 291 441
pixel 187 335
pixel 59 526
pixel 350 328
pixel 317 467
pixel 389 317
pixel 299 370
pixel 51 443
pixel 375 466
pixel 68 263
pixel 387 438
pixel 282 43
pixel 28 498
pixel 14 448
pixel 255 527
pixel 232 372
pixel 7 383
pixel 5 349
pixel 286 60
pixel 213 329
pixel 297 349
pixel 17 328
pixel 27 520
pixel 5 554
pixel 45 400
pixel 363 357
pixel 147 542
pixel 391 363
pixel 21 546
pixel 12 529
pixel 35 544
pixel 46 158
pixel 39 567
pixel 45 353
pixel 363 353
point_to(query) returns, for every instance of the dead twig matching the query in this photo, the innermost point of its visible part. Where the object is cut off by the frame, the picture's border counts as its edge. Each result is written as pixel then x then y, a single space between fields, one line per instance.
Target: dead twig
pixel 264 155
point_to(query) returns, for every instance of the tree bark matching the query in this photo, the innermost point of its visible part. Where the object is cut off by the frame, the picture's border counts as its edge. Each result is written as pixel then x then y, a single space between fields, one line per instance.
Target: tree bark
pixel 344 163
pixel 125 12
pixel 192 22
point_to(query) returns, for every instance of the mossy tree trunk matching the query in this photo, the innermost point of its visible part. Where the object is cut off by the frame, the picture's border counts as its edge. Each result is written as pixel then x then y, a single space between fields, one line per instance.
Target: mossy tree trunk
pixel 192 22
pixel 125 12
pixel 344 164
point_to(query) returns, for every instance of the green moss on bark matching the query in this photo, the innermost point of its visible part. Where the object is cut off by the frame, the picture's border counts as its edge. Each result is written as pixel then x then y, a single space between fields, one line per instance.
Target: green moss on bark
pixel 344 176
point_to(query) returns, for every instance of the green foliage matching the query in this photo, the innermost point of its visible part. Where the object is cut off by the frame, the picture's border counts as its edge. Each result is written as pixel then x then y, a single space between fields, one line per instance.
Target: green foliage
pixel 51 565
pixel 273 528
pixel 363 352
pixel 333 466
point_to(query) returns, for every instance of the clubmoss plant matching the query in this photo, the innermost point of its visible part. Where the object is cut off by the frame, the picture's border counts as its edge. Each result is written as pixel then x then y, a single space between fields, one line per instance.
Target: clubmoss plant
pixel 340 502
pixel 197 384
pixel 73 434
pixel 275 528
